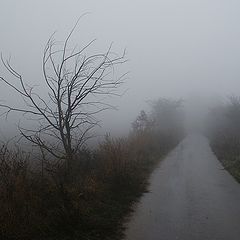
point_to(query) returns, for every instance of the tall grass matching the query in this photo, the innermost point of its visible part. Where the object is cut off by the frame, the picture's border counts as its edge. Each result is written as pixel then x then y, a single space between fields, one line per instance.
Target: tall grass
pixel 89 202
pixel 224 135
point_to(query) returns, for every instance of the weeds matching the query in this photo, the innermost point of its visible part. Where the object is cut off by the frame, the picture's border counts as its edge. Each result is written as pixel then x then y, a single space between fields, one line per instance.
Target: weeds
pixel 89 202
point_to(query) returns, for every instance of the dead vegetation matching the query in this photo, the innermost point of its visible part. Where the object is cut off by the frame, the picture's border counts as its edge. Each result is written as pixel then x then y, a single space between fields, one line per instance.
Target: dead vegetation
pixel 224 135
pixel 75 192
pixel 41 203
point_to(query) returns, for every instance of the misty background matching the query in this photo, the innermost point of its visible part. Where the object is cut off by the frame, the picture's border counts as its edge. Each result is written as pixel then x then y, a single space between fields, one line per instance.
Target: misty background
pixel 186 49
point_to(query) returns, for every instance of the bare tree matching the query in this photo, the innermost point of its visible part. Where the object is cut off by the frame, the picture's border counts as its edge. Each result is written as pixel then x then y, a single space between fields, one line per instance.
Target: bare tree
pixel 141 123
pixel 76 84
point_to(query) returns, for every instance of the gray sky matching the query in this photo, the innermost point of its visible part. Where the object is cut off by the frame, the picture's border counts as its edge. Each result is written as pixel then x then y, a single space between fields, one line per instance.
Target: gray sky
pixel 176 48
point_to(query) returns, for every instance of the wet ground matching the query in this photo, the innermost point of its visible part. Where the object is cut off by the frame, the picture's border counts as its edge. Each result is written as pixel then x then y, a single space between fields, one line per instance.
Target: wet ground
pixel 191 198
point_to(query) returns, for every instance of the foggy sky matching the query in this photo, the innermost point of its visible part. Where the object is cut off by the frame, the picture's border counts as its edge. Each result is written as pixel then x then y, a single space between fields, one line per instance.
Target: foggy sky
pixel 176 48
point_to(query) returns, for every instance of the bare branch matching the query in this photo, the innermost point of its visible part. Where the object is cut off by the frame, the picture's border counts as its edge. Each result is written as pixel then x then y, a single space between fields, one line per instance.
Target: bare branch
pixel 75 83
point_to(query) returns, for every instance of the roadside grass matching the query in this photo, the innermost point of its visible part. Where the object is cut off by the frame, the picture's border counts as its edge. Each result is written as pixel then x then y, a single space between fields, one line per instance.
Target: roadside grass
pixel 91 203
pixel 223 132
pixel 228 154
pixel 233 167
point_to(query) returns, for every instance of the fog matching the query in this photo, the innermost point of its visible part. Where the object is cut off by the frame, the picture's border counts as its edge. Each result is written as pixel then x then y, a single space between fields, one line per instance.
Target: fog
pixel 176 49
pixel 119 119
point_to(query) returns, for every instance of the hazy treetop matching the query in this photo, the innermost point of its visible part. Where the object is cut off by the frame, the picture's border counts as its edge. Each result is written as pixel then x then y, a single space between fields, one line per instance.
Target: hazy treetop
pixel 176 48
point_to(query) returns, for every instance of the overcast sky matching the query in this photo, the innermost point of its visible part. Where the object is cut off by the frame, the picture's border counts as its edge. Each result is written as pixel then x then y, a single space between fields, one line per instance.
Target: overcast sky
pixel 176 48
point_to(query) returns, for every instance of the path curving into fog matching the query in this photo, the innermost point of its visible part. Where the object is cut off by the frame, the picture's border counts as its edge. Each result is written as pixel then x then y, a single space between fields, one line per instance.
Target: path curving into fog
pixel 191 198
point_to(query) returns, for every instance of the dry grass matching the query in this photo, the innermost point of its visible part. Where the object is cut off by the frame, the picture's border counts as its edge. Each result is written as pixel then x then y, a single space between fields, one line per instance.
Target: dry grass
pixel 91 204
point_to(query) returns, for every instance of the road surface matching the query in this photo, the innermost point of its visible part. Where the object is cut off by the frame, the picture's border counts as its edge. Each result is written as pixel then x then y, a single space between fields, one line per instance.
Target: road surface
pixel 191 198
